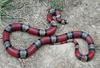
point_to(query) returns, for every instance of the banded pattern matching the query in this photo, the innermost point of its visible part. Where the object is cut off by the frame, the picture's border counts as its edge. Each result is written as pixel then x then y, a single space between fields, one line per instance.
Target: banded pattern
pixel 51 40
pixel 54 15
pixel 23 53
pixel 31 30
pixel 74 35
pixel 48 38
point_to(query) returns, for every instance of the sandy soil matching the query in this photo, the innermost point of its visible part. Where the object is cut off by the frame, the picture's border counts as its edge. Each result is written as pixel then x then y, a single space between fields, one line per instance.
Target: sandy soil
pixel 81 14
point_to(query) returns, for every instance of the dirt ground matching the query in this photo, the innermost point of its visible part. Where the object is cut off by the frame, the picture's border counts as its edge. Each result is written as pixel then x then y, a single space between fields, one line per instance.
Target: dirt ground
pixel 83 15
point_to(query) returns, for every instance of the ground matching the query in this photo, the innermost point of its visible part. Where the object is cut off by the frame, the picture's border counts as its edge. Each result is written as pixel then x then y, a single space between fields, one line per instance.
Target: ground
pixel 83 15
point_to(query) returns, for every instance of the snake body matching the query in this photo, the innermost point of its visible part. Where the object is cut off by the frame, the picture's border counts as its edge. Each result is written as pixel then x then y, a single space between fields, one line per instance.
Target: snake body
pixel 53 17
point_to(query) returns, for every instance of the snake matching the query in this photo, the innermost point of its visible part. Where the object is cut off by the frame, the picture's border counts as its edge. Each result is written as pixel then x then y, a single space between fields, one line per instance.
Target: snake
pixel 48 37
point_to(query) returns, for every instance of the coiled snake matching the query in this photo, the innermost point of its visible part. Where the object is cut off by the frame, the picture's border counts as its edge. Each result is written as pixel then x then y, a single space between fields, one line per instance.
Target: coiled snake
pixel 53 17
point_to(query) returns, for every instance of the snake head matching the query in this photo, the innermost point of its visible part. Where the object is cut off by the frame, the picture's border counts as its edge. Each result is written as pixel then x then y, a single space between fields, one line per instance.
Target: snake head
pixel 55 15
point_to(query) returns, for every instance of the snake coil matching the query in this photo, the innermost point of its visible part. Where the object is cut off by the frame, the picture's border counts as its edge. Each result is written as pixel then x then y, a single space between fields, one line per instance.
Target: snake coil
pixel 53 17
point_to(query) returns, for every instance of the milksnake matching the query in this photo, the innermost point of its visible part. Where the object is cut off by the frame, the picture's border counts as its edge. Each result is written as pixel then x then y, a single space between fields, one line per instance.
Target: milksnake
pixel 53 17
